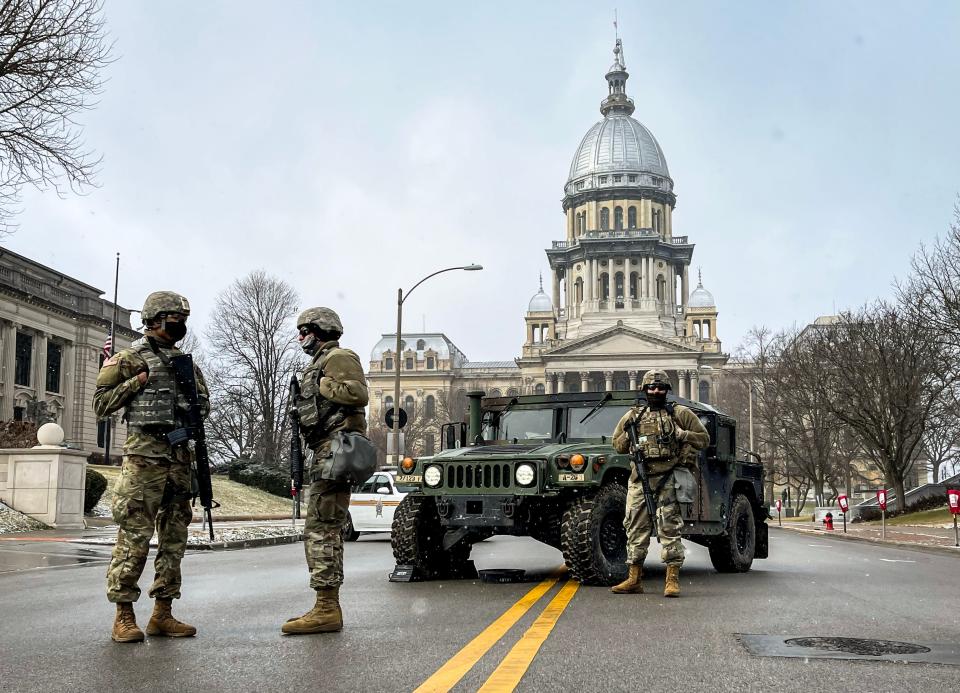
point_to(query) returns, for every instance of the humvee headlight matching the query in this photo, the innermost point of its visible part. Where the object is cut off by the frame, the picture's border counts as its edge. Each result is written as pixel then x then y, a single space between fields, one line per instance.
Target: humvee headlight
pixel 525 474
pixel 407 465
pixel 432 475
pixel 578 462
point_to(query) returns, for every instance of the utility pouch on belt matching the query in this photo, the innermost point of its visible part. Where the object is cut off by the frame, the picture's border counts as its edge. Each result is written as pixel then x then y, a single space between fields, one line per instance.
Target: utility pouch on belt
pixel 686 485
pixel 352 458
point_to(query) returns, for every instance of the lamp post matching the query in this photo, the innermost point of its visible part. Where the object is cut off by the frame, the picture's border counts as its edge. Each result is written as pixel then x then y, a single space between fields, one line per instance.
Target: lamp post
pixel 401 297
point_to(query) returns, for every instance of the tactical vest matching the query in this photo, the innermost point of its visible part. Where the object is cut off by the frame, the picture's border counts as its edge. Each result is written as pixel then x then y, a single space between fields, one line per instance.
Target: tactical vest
pixel 158 406
pixel 316 411
pixel 654 424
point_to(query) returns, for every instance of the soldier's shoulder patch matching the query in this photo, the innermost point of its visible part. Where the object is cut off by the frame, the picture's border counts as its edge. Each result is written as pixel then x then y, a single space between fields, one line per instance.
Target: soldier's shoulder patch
pixel 112 361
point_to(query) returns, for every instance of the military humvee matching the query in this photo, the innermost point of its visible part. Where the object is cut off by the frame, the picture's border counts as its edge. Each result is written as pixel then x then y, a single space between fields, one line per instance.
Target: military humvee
pixel 544 466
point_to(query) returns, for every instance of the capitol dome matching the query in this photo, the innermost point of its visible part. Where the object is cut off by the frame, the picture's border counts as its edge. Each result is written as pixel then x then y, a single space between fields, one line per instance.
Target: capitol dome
pixel 618 151
pixel 540 303
pixel 701 298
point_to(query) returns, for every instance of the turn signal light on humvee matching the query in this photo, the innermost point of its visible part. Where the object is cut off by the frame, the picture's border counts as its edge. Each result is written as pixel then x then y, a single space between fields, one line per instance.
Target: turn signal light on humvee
pixel 578 462
pixel 407 465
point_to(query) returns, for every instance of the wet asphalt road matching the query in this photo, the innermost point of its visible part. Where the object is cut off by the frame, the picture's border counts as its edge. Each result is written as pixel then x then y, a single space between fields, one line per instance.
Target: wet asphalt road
pixel 55 623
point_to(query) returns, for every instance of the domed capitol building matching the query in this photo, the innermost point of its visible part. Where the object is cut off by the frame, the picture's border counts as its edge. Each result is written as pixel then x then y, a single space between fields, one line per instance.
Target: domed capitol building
pixel 620 300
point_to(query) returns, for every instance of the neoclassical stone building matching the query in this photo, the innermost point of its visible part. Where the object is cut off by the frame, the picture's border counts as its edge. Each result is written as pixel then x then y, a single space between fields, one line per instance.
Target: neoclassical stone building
pixel 620 299
pixel 52 330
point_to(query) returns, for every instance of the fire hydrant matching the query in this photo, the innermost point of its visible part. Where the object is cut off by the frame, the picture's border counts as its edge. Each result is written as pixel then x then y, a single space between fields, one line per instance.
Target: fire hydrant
pixel 828 522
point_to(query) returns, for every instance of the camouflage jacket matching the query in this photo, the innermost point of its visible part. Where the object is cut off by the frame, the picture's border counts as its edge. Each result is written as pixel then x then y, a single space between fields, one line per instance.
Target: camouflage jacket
pixel 334 386
pixel 118 385
pixel 689 432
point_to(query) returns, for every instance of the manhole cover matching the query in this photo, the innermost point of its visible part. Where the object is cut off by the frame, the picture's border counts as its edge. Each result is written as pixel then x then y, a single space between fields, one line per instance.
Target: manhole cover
pixel 858 646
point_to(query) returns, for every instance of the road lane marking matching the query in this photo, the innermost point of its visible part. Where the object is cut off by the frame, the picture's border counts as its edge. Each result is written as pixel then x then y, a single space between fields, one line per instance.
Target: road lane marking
pixel 447 676
pixel 508 674
pixel 896 560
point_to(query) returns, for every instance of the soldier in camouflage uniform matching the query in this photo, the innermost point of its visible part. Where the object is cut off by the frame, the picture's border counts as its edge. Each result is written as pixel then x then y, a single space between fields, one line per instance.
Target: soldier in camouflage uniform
pixel 670 436
pixel 154 489
pixel 333 393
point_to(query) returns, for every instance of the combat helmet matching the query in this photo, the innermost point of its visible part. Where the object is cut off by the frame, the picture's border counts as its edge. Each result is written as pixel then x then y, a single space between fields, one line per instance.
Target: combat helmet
pixel 655 375
pixel 322 318
pixel 163 302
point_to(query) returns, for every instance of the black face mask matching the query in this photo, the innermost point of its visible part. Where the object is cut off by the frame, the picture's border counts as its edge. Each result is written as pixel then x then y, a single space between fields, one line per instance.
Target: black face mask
pixel 656 400
pixel 175 330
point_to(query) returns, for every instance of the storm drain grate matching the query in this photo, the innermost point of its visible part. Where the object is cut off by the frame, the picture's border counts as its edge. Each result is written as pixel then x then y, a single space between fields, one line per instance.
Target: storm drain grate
pixel 867 649
pixel 858 646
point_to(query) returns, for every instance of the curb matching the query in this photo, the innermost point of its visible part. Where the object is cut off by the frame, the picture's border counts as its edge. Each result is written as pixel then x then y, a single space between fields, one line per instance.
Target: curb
pixel 247 543
pixel 911 546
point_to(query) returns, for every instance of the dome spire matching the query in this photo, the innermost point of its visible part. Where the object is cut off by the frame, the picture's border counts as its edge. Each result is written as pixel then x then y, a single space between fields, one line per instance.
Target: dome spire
pixel 617 100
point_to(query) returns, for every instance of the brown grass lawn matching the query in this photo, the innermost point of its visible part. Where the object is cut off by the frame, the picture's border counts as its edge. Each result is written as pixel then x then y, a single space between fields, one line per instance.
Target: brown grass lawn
pixel 234 498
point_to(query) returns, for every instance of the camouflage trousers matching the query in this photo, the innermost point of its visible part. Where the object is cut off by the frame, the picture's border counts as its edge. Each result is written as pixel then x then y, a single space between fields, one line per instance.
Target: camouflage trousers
pixel 152 494
pixel 669 521
pixel 323 542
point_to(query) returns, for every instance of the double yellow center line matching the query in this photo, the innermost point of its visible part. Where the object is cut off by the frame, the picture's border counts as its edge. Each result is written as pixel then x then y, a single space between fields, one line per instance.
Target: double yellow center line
pixel 508 674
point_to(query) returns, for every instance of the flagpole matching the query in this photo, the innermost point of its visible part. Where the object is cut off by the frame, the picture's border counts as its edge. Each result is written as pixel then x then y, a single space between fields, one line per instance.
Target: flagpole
pixel 113 346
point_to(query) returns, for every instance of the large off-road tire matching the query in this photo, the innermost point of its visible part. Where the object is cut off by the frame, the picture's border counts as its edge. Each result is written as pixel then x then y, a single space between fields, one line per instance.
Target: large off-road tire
pixel 348 532
pixel 734 552
pixel 593 540
pixel 417 540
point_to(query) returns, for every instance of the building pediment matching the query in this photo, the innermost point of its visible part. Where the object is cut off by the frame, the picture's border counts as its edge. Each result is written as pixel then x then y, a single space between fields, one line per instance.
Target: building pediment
pixel 620 340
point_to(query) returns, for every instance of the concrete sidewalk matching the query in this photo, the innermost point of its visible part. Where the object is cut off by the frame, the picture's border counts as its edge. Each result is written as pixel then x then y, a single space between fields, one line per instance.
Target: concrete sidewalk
pixel 922 538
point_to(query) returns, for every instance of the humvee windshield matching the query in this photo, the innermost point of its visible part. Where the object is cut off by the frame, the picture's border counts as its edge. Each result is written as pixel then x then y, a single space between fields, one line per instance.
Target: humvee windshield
pixel 522 424
pixel 601 423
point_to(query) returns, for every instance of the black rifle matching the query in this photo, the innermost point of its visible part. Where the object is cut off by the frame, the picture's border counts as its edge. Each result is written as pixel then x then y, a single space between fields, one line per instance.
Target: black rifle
pixel 296 449
pixel 182 366
pixel 638 460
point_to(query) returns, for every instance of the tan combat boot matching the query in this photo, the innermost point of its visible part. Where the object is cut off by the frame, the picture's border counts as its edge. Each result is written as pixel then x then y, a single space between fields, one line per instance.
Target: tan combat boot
pixel 633 583
pixel 162 622
pixel 324 617
pixel 672 586
pixel 125 624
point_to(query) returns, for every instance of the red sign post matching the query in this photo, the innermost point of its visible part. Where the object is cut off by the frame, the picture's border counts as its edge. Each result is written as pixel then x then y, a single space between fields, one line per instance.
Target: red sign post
pixel 844 507
pixel 882 501
pixel 953 500
pixel 779 506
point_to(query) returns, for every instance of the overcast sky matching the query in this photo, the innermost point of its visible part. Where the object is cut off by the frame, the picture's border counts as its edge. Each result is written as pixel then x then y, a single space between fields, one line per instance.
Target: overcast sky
pixel 351 148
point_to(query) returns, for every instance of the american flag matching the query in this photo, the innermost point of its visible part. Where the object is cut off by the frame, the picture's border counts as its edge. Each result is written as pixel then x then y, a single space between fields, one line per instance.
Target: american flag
pixel 108 346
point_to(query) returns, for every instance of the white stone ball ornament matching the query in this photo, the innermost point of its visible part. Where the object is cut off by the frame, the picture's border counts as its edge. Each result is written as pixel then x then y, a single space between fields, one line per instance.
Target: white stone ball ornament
pixel 50 435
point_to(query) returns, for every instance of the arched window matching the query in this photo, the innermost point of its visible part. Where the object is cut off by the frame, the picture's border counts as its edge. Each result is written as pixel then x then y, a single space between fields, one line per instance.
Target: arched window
pixel 656 220
pixel 409 405
pixel 634 282
pixel 387 402
pixel 539 389
pixel 632 217
pixel 421 345
pixel 661 283
pixel 618 218
pixel 604 219
pixel 409 363
pixel 705 391
pixel 430 407
pixel 578 290
pixel 495 393
pixel 705 330
pixel 618 287
pixel 604 286
pixel 513 392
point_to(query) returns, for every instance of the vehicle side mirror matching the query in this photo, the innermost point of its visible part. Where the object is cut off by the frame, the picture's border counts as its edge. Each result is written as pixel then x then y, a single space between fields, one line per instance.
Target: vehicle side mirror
pixel 384 490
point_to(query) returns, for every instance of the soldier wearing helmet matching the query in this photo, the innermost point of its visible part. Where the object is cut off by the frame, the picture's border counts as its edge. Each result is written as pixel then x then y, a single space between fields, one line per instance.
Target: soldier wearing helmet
pixel 155 485
pixel 333 393
pixel 669 436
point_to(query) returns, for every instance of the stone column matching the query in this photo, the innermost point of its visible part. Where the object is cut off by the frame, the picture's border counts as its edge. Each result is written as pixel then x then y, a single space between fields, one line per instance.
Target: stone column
pixel 633 379
pixel 66 379
pixel 595 283
pixel 40 361
pixel 682 384
pixel 556 291
pixel 685 286
pixel 9 368
pixel 651 282
pixel 549 383
pixel 560 379
pixel 584 381
pixel 566 293
pixel 695 385
pixel 611 286
pixel 587 284
pixel 608 380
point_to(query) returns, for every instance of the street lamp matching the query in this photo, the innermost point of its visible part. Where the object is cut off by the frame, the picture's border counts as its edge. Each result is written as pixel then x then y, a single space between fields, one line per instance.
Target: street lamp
pixel 401 297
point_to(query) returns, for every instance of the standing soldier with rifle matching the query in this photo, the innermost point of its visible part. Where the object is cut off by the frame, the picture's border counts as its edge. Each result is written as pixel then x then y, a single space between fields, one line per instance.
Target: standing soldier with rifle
pixel 661 437
pixel 329 412
pixel 165 398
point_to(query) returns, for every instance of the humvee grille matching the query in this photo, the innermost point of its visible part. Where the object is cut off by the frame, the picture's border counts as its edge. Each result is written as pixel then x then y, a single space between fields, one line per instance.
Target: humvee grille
pixel 483 475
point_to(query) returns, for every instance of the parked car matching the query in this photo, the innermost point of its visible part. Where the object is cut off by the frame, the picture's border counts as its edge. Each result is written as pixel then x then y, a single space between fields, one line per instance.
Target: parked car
pixel 373 503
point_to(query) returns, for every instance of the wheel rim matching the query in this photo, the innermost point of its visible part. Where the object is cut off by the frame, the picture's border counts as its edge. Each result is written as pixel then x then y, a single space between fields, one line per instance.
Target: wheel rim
pixel 613 539
pixel 742 532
